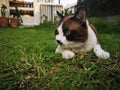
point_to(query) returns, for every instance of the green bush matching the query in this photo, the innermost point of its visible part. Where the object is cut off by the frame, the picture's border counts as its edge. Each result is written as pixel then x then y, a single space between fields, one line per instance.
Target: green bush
pixel 105 27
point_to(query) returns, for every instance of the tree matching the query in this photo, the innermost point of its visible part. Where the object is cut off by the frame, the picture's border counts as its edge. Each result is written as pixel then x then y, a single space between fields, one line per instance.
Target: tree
pixel 80 4
pixel 100 7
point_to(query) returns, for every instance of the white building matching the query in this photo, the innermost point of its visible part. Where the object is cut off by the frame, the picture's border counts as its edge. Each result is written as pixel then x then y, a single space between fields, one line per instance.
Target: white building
pixel 40 11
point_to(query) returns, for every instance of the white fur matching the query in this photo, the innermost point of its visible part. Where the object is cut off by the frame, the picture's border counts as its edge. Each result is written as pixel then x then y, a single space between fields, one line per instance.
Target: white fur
pixel 68 49
pixel 67 54
pixel 60 36
pixel 100 52
pixel 91 41
pixel 59 50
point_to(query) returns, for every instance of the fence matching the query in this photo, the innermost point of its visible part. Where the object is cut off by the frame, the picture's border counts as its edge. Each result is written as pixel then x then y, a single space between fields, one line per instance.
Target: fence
pixel 48 12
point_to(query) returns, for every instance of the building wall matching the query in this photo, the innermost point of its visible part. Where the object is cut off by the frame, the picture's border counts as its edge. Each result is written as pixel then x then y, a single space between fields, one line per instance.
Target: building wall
pixel 5 2
pixel 36 13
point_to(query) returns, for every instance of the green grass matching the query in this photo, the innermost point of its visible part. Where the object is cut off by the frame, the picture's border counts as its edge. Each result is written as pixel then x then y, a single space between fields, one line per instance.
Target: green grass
pixel 28 61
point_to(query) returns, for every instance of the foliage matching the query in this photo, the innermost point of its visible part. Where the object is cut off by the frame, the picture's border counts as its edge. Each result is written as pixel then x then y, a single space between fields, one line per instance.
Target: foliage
pixel 55 18
pixel 102 27
pixel 45 18
pixel 18 13
pixel 100 7
pixel 28 61
pixel 3 10
pixel 80 3
pixel 68 12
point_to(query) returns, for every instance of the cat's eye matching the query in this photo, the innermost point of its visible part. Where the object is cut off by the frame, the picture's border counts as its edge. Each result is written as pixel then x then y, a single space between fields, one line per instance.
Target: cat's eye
pixel 68 33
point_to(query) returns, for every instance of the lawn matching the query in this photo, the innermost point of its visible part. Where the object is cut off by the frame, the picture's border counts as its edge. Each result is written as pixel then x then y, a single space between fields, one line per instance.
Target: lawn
pixel 28 61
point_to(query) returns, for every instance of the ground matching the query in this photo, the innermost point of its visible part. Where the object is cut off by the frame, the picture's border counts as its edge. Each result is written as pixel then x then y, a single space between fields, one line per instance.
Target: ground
pixel 28 60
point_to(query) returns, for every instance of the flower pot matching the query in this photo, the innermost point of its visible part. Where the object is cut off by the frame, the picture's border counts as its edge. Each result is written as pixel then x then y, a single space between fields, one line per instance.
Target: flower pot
pixel 14 22
pixel 4 21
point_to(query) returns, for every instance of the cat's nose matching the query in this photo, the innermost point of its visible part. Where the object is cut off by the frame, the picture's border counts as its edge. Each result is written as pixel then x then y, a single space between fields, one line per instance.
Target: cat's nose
pixel 59 42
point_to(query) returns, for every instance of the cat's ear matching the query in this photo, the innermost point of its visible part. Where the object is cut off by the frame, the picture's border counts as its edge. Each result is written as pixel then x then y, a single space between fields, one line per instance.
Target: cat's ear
pixel 60 15
pixel 80 15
